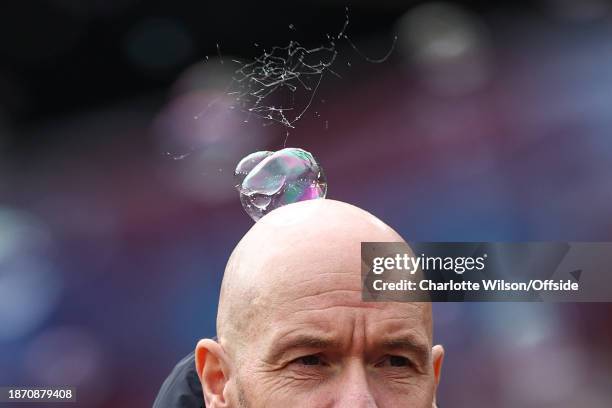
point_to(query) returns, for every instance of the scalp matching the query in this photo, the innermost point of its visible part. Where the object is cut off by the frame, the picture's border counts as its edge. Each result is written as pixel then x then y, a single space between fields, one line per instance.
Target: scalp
pixel 294 243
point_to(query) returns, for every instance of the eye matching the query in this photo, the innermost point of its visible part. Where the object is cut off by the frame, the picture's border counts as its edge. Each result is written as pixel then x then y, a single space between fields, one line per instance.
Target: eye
pixel 394 361
pixel 309 360
pixel 312 367
pixel 398 361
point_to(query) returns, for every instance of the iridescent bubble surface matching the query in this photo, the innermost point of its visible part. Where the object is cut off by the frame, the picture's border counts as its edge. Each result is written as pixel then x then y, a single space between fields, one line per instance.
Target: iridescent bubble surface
pixel 268 180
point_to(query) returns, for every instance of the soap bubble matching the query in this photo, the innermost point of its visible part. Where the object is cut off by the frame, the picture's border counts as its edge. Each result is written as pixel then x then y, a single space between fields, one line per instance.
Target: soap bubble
pixel 268 180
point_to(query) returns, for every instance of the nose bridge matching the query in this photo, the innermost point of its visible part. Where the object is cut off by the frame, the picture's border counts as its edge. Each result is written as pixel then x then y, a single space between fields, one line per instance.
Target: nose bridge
pixel 354 389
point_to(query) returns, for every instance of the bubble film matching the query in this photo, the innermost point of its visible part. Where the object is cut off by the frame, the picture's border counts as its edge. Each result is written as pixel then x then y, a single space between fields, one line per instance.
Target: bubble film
pixel 268 180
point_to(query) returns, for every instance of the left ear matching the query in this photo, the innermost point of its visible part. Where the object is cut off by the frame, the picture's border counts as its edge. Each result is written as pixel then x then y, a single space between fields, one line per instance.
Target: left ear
pixel 437 353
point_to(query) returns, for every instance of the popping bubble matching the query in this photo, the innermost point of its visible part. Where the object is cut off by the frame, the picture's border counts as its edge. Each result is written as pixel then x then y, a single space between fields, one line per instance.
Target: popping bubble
pixel 268 180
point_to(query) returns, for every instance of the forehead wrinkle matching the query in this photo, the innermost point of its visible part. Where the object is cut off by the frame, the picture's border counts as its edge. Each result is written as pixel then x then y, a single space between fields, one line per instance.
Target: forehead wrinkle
pixel 289 293
pixel 320 300
pixel 380 317
pixel 299 273
pixel 405 340
pixel 316 335
pixel 418 312
pixel 285 344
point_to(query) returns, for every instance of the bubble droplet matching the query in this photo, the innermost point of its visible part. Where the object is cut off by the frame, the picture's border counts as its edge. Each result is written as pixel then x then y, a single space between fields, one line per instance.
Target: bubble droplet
pixel 246 165
pixel 268 180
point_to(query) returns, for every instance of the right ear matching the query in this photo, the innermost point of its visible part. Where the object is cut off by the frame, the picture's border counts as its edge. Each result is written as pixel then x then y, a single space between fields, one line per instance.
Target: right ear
pixel 213 369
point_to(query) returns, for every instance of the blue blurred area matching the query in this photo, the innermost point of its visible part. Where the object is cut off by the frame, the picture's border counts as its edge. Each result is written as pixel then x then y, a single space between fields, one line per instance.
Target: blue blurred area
pixel 485 124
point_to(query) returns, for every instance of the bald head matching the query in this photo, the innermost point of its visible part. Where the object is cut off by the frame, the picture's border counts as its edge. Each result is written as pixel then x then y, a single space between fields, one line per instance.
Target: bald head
pixel 300 241
pixel 293 286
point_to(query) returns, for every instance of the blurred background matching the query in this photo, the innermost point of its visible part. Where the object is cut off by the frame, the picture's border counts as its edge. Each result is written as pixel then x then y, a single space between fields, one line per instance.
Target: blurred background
pixel 489 121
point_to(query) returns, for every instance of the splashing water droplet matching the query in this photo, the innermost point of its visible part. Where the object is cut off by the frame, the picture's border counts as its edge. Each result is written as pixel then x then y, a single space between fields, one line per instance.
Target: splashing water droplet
pixel 268 180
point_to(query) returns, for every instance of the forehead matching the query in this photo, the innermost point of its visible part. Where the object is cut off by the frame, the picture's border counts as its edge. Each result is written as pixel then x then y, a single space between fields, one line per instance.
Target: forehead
pixel 312 276
pixel 330 302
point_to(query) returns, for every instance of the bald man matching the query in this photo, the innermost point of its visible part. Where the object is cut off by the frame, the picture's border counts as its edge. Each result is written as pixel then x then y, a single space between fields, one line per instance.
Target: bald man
pixel 293 331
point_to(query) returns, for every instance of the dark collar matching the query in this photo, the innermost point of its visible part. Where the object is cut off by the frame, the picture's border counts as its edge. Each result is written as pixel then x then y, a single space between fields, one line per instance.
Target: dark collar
pixel 182 388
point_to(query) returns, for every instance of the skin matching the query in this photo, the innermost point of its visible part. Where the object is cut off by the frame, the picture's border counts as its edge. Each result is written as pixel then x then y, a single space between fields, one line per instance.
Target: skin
pixel 293 330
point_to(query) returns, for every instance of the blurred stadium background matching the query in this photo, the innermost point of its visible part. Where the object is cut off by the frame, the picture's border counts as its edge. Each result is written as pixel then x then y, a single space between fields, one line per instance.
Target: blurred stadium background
pixel 490 121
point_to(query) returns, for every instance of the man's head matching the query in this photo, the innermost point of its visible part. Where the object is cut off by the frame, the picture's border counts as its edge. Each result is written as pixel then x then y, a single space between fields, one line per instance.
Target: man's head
pixel 292 328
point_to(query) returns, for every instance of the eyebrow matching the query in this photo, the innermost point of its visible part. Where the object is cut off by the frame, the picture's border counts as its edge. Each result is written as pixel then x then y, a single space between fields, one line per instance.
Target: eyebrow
pixel 409 343
pixel 303 341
